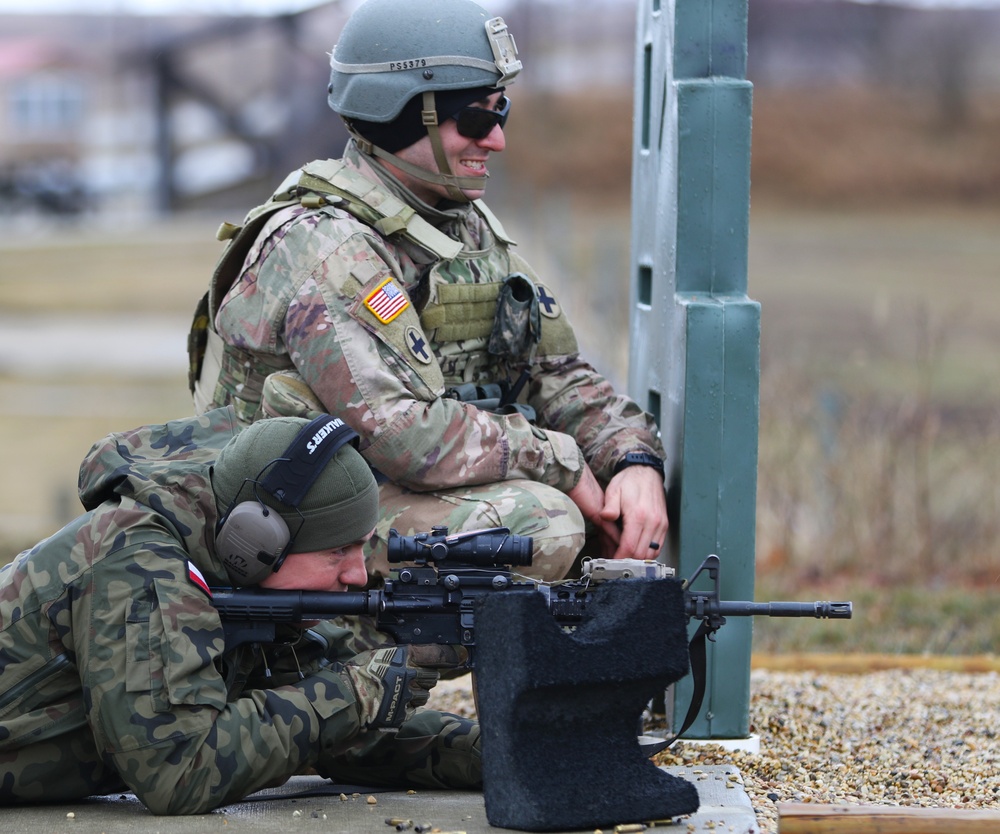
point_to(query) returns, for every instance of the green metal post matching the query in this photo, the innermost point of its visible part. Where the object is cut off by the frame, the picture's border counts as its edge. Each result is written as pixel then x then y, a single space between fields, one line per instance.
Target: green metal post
pixel 695 334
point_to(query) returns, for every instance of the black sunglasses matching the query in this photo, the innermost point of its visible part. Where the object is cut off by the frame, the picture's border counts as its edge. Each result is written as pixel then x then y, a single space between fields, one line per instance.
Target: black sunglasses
pixel 477 122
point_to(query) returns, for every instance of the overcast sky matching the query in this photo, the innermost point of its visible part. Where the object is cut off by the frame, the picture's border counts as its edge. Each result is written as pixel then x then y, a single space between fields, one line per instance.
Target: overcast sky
pixel 274 6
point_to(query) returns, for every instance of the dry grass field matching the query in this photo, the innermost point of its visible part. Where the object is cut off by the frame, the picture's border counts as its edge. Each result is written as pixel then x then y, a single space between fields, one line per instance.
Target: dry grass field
pixel 880 400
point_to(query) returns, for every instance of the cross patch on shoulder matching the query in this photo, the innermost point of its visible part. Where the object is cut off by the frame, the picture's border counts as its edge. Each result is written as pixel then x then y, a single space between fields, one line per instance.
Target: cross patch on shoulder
pixel 386 301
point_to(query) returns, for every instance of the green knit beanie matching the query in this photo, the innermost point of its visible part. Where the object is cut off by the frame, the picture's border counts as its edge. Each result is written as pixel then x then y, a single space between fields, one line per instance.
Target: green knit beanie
pixel 341 507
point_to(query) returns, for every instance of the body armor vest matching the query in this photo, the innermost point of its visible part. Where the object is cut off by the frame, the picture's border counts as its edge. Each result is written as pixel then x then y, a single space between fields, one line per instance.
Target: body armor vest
pixel 461 288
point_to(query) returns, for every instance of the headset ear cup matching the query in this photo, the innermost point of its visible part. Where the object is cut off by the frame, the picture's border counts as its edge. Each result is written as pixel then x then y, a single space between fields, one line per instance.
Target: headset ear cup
pixel 251 542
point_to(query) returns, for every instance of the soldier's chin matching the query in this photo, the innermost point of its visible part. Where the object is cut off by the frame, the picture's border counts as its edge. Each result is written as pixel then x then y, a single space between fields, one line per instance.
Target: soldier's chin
pixel 474 193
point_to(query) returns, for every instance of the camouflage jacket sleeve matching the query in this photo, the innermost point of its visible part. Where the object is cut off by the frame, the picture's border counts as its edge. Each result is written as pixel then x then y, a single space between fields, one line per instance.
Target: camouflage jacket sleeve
pixel 147 643
pixel 313 281
pixel 572 396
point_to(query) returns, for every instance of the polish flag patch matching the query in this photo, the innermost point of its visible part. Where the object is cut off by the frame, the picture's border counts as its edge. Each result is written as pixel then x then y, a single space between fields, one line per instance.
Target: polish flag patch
pixel 198 579
pixel 387 301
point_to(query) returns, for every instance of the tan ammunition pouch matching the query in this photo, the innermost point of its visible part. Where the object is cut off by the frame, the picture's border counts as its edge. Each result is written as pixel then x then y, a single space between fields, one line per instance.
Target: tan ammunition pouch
pixel 460 312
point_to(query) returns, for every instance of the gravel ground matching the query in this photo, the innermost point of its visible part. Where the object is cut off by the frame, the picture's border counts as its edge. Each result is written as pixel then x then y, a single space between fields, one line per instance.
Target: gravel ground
pixel 916 737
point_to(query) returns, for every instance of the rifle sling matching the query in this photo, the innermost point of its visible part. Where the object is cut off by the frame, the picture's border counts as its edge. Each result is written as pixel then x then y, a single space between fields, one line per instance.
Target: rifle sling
pixel 324 788
pixel 699 661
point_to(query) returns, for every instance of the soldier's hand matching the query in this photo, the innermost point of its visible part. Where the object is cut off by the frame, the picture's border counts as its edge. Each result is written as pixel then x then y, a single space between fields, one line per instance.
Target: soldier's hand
pixel 589 498
pixel 433 656
pixel 636 498
pixel 390 683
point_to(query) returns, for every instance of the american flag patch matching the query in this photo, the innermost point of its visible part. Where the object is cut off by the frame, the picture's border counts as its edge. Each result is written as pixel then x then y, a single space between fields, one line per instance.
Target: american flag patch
pixel 387 301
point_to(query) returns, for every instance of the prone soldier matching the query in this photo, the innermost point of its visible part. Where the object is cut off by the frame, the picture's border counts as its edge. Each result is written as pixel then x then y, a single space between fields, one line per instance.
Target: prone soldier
pixel 114 674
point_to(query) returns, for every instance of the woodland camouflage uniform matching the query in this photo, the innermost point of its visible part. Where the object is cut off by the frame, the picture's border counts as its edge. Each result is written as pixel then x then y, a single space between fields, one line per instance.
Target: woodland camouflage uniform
pixel 112 670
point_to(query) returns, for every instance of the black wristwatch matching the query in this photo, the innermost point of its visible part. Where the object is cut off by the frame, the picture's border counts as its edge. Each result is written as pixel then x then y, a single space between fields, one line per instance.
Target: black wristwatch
pixel 639 459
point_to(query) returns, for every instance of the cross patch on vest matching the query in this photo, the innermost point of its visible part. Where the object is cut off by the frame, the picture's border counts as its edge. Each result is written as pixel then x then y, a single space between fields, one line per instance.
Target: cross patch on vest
pixel 386 301
pixel 547 303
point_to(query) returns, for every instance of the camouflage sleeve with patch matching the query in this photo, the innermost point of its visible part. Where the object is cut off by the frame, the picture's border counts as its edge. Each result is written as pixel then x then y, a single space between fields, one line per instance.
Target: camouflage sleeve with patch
pixel 147 643
pixel 357 342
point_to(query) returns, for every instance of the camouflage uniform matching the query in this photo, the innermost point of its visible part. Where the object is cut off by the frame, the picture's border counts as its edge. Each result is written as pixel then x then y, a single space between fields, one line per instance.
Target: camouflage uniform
pixel 112 670
pixel 316 322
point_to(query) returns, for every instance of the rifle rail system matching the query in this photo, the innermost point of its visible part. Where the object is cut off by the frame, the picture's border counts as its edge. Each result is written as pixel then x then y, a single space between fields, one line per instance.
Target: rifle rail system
pixel 432 598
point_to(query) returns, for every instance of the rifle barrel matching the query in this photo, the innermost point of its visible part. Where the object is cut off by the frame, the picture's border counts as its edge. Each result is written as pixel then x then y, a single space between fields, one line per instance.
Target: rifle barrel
pixel 818 610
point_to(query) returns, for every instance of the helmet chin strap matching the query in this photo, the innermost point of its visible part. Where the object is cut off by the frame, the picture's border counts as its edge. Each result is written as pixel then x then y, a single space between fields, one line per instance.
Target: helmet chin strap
pixel 443 176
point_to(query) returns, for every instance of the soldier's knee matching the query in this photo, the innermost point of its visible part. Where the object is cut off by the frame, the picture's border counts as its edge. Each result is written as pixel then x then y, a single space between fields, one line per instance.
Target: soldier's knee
pixel 553 557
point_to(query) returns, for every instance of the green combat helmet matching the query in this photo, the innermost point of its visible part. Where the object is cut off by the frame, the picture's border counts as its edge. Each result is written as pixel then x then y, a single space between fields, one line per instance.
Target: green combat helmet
pixel 393 50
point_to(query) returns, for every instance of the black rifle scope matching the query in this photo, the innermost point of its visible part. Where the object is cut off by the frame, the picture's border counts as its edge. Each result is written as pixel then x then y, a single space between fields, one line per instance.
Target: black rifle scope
pixel 479 548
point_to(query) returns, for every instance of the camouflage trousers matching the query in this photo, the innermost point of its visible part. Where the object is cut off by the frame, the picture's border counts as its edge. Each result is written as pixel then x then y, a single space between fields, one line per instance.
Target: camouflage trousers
pixel 528 508
pixel 62 769
pixel 431 750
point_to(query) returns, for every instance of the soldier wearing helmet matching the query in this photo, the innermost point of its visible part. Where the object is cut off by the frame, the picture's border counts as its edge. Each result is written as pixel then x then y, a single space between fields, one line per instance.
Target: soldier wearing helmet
pixel 394 84
pixel 381 288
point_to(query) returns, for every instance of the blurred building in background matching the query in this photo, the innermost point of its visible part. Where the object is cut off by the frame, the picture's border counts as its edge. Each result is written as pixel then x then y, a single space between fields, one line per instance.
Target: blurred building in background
pixel 45 88
pixel 132 114
pixel 126 116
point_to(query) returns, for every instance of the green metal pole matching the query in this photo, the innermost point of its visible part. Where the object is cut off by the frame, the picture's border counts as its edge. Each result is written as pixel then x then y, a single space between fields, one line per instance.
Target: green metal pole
pixel 695 334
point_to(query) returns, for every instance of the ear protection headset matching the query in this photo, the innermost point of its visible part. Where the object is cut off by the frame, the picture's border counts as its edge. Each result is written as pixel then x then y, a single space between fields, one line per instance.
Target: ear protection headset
pixel 253 539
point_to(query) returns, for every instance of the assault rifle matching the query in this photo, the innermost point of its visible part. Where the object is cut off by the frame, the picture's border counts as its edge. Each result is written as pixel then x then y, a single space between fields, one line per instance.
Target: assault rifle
pixel 432 598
